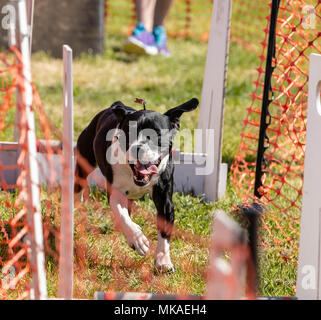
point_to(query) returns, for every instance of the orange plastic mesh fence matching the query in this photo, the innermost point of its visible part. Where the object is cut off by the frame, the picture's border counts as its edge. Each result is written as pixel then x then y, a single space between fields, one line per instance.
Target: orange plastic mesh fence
pixel 14 265
pixel 297 36
pixel 192 19
pixel 15 234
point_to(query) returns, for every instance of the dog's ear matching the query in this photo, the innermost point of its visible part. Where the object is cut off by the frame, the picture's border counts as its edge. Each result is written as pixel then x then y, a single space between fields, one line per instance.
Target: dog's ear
pixel 175 113
pixel 120 110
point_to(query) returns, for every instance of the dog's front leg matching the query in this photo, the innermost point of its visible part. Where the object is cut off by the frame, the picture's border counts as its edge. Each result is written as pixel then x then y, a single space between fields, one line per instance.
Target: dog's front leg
pixel 119 204
pixel 165 219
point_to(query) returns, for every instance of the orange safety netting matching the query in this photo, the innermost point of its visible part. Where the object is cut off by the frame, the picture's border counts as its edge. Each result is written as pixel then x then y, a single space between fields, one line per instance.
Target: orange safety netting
pixel 297 36
pixel 16 206
pixel 14 265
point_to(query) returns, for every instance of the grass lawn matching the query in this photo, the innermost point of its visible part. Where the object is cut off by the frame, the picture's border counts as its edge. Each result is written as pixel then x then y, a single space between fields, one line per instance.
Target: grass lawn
pixel 103 260
pixel 163 83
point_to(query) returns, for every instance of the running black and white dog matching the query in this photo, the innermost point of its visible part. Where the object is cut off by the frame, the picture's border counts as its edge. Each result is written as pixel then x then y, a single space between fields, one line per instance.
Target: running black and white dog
pixel 133 150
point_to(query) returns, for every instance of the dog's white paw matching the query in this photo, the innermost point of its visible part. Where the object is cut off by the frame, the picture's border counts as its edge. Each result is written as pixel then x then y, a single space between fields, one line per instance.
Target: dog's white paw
pixel 163 262
pixel 136 238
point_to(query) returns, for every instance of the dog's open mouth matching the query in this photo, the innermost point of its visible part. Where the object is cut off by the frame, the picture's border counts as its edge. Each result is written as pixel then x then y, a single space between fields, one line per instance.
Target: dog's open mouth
pixel 144 172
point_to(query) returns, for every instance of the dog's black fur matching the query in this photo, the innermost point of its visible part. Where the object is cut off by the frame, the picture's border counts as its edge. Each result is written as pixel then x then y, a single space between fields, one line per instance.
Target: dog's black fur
pixel 92 146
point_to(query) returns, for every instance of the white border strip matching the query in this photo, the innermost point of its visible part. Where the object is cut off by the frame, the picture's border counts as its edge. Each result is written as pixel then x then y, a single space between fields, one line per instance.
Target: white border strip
pixel 213 93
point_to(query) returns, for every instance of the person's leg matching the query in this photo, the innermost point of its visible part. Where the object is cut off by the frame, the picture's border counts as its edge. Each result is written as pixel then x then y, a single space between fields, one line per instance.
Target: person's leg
pixel 151 15
pixel 142 41
pixel 145 12
pixel 161 11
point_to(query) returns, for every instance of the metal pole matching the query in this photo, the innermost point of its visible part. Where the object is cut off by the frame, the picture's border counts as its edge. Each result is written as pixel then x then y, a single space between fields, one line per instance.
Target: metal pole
pixel 253 211
pixel 252 214
pixel 265 121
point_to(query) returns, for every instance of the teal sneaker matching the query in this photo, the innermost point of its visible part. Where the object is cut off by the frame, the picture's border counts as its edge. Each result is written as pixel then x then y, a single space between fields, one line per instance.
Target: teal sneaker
pixel 141 41
pixel 160 36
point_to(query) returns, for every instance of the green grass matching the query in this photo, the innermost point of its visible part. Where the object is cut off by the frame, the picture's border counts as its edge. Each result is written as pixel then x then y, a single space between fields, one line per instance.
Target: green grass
pixel 163 83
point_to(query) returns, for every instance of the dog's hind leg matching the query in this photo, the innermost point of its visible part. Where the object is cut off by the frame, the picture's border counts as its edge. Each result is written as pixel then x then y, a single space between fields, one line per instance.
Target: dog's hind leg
pixel 120 205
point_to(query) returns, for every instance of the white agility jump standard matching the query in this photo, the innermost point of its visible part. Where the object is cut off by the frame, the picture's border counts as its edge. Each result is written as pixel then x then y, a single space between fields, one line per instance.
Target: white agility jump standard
pixel 39 286
pixel 213 97
pixel 67 185
pixel 309 269
pixel 15 41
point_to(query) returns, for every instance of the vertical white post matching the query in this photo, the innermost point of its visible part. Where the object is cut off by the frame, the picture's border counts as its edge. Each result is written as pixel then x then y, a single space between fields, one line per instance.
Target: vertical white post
pixel 30 10
pixel 12 32
pixel 309 268
pixel 213 92
pixel 39 285
pixel 67 226
pixel 14 41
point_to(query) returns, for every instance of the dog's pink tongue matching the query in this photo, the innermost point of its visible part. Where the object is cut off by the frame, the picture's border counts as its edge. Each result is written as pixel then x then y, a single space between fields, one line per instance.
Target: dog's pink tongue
pixel 147 168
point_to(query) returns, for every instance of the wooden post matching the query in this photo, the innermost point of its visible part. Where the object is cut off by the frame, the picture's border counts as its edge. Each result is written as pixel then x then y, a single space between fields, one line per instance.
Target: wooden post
pixel 309 269
pixel 213 92
pixel 67 226
pixel 39 285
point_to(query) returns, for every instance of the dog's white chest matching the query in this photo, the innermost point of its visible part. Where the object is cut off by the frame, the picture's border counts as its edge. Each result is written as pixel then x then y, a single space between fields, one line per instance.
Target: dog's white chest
pixel 123 181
